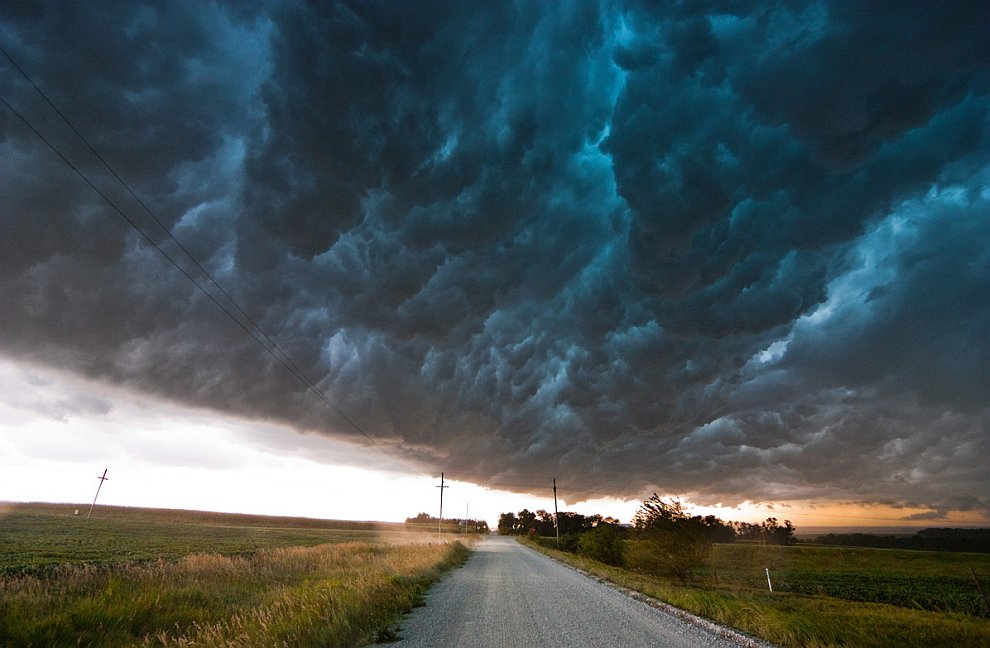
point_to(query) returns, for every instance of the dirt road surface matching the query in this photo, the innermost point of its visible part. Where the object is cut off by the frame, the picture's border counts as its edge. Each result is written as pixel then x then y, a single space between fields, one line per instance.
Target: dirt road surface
pixel 509 595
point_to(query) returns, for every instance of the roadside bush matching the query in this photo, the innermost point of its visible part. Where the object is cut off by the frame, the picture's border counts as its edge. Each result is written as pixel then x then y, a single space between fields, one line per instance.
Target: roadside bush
pixel 603 544
pixel 568 542
pixel 671 543
pixel 671 552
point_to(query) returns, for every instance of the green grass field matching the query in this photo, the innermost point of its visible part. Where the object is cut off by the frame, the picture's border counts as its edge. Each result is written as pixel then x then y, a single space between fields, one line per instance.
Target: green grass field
pixel 141 577
pixel 828 596
pixel 925 580
pixel 36 536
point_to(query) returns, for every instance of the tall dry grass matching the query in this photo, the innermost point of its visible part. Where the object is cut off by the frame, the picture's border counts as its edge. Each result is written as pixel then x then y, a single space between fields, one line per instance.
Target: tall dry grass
pixel 329 595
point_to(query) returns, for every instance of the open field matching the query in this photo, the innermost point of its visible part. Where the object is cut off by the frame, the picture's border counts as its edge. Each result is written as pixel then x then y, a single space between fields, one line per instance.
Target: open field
pixel 826 596
pixel 36 536
pixel 144 577
pixel 927 580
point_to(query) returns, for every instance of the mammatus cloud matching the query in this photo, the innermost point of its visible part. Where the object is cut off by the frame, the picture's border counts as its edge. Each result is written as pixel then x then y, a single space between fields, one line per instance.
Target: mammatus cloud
pixel 737 251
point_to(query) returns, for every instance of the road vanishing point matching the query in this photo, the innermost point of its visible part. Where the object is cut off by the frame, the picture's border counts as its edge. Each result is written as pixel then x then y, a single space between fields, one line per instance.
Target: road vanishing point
pixel 508 595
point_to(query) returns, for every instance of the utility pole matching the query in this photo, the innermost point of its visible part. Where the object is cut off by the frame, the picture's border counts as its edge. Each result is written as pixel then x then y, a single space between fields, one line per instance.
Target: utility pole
pixel 102 479
pixel 556 525
pixel 440 519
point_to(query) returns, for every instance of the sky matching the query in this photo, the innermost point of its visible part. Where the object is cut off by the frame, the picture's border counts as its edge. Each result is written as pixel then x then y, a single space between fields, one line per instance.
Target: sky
pixel 732 252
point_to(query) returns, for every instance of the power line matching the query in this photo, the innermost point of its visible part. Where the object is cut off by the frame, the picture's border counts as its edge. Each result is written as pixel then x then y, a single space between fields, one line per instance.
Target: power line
pixel 260 337
pixel 147 209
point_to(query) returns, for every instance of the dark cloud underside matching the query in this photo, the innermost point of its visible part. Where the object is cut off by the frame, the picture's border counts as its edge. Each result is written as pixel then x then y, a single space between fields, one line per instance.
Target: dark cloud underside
pixel 729 249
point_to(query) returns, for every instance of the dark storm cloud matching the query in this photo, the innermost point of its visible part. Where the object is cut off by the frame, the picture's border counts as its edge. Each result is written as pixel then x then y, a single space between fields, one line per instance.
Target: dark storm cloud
pixel 731 250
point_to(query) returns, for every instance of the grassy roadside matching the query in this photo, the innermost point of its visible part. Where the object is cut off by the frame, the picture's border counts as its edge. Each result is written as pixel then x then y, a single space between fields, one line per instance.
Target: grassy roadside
pixel 321 588
pixel 797 619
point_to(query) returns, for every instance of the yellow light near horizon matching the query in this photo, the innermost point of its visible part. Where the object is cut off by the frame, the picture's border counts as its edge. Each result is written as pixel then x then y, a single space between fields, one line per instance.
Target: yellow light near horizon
pixel 823 513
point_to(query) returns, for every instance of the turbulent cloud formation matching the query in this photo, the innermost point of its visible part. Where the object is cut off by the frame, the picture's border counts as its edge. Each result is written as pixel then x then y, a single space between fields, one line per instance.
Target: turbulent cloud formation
pixel 729 249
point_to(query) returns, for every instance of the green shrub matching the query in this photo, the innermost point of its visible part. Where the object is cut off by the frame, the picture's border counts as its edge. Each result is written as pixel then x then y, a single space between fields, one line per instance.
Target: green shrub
pixel 568 542
pixel 602 544
pixel 671 552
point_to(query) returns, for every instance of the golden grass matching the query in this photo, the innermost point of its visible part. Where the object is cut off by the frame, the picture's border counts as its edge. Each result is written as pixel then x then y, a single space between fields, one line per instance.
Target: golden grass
pixel 341 594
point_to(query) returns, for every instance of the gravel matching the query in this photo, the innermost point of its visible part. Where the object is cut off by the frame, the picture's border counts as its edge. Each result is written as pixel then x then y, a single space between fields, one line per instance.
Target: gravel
pixel 509 595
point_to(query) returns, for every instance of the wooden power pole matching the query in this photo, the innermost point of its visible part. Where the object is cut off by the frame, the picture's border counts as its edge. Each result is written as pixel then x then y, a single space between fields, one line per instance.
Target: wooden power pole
pixel 440 519
pixel 102 479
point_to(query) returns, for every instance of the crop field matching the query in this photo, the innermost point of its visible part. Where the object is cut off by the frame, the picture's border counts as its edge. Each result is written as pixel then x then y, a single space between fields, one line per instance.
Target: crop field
pixel 36 536
pixel 140 577
pixel 926 580
pixel 829 596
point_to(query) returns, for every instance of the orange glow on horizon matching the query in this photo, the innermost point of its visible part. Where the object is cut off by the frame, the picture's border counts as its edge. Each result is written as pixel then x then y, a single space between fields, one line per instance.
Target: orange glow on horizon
pixel 809 513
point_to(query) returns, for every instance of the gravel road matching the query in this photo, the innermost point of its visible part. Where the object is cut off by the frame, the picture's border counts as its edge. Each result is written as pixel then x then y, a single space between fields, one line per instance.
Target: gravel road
pixel 509 595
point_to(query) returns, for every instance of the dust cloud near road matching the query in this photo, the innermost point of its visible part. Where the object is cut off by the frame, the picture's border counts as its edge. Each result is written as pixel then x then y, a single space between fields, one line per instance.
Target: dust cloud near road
pixel 508 595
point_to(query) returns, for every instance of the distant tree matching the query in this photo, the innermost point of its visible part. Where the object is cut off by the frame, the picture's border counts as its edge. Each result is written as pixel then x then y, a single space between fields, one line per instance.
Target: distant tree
pixel 718 530
pixel 545 524
pixel 526 521
pixel 971 540
pixel 425 521
pixel 458 525
pixel 774 533
pixel 747 531
pixel 508 524
pixel 571 523
pixel 542 524
pixel 422 518
pixel 655 513
pixel 671 542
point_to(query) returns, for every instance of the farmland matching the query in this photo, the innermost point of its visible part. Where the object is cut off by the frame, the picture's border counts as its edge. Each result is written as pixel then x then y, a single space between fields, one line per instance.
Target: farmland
pixel 925 580
pixel 143 577
pixel 38 535
pixel 827 596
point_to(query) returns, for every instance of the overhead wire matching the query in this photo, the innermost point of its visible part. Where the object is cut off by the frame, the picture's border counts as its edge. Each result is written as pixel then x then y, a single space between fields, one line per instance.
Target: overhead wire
pixel 251 331
pixel 254 331
pixel 148 210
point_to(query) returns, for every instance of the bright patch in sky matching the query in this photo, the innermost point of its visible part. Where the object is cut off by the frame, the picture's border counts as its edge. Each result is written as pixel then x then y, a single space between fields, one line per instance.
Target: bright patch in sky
pixel 57 433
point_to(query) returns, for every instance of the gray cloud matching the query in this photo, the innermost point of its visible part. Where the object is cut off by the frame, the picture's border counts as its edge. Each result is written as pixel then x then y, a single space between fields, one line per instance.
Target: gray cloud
pixel 731 250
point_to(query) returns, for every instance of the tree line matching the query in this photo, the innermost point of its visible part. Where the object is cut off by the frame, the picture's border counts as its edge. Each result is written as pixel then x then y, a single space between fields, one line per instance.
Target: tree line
pixel 541 523
pixel 663 539
pixel 970 540
pixel 427 522
pixel 653 512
